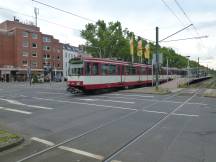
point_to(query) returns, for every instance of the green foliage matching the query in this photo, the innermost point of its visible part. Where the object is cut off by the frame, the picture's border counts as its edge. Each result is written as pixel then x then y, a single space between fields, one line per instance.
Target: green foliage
pixel 111 41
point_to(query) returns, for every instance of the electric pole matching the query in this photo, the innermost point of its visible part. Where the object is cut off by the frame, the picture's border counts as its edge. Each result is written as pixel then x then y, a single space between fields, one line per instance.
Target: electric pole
pixel 157 58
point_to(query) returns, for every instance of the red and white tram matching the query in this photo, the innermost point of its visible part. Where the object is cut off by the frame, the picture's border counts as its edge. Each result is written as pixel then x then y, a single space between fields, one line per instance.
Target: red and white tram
pixel 88 74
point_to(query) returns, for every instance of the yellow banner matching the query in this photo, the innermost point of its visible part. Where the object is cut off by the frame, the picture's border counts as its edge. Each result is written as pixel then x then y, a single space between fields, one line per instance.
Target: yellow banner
pixel 147 51
pixel 139 48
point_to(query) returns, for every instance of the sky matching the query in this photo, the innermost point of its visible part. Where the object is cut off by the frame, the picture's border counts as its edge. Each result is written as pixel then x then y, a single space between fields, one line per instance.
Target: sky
pixel 139 16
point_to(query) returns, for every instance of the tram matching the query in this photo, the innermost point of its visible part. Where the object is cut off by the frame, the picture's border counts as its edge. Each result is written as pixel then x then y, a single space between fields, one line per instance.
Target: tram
pixel 89 74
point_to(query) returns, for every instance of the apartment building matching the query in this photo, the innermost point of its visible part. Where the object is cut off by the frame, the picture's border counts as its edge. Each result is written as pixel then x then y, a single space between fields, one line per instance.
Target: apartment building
pixel 25 50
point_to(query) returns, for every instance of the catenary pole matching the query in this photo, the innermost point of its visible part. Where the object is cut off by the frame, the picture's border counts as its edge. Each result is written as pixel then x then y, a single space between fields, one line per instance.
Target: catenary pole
pixel 157 58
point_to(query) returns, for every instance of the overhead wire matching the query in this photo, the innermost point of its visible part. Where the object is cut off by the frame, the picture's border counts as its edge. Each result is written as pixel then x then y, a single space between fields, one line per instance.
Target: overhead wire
pixel 167 6
pixel 42 19
pixel 53 7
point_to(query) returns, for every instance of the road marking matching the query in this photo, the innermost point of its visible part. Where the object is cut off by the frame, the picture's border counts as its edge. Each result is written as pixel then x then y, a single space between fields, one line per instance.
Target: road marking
pixel 40 107
pixel 116 161
pixel 15 110
pixel 43 141
pixel 22 104
pixel 118 94
pixel 80 103
pixel 153 100
pixel 113 155
pixel 52 93
pixel 12 101
pixel 76 137
pixel 89 99
pixel 80 152
pixel 190 115
pixel 73 150
pixel 157 112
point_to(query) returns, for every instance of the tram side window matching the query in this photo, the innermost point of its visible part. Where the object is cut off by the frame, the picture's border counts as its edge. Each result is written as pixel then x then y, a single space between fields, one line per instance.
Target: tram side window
pixel 88 69
pixel 112 69
pixel 119 69
pixel 95 69
pixel 104 69
pixel 143 71
pixel 132 71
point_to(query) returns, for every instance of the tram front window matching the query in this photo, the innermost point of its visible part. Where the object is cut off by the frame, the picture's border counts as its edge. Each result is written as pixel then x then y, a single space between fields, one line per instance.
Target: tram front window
pixel 75 70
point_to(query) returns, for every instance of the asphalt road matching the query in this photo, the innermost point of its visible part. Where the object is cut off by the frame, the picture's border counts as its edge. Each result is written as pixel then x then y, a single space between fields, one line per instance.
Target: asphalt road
pixel 110 127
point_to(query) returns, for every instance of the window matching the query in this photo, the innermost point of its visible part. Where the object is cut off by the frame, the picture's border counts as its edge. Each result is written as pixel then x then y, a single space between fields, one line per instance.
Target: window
pixel 46 39
pixel 130 70
pixel 25 63
pixel 34 64
pixel 25 53
pixel 47 56
pixel 34 45
pixel 88 69
pixel 46 48
pixel 25 34
pixel 34 53
pixel 58 57
pixel 58 65
pixel 58 50
pixel 143 70
pixel 34 36
pixel 105 69
pixel 95 69
pixel 25 43
pixel 112 69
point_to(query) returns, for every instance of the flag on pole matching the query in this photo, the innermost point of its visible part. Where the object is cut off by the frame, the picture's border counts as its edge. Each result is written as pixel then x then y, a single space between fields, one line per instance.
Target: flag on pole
pixel 132 45
pixel 147 51
pixel 139 47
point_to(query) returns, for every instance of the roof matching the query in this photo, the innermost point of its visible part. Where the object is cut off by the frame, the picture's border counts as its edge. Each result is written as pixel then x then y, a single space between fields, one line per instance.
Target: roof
pixel 70 48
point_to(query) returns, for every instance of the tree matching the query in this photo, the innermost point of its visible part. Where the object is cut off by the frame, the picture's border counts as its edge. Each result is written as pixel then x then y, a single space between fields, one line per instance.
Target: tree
pixel 109 39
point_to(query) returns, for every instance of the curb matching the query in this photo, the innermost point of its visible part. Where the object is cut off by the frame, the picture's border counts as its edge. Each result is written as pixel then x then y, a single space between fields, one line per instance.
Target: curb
pixel 12 144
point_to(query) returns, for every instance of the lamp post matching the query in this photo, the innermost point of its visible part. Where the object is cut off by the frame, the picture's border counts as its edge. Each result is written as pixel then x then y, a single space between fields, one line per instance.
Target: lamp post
pixel 188 66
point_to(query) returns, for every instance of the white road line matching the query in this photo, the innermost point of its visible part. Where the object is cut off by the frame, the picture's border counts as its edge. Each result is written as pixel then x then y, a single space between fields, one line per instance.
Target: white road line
pixel 96 99
pixel 40 107
pixel 80 103
pixel 12 101
pixel 73 150
pixel 157 112
pixel 22 104
pixel 190 115
pixel 154 100
pixel 52 93
pixel 80 152
pixel 43 141
pixel 116 161
pixel 118 94
pixel 15 110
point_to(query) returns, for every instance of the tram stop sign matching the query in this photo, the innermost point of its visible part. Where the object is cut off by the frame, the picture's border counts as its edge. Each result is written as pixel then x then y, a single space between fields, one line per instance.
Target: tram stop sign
pixel 160 58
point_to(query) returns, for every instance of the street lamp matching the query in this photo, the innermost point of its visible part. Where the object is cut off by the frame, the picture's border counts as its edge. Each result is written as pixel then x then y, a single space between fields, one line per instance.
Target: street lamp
pixel 188 66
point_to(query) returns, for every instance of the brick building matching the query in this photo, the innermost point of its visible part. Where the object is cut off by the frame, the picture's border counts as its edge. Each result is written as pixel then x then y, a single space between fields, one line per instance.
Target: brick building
pixel 24 49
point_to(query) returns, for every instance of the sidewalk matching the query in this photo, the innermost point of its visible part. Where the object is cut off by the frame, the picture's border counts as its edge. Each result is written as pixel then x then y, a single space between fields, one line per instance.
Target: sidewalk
pixel 165 88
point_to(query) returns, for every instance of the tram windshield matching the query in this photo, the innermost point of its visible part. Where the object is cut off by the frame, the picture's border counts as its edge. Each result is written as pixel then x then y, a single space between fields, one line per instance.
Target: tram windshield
pixel 75 67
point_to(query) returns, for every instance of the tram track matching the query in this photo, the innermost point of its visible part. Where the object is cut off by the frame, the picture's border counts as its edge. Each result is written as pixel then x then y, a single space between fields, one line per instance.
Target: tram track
pixel 139 136
pixel 109 157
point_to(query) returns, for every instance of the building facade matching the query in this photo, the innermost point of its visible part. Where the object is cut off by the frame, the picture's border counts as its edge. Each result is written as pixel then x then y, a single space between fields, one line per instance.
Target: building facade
pixel 25 50
pixel 68 53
